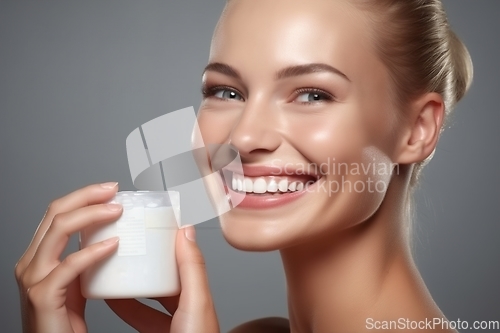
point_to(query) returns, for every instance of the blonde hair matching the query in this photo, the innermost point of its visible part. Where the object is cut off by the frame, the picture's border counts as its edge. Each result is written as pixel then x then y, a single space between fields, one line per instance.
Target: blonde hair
pixel 416 43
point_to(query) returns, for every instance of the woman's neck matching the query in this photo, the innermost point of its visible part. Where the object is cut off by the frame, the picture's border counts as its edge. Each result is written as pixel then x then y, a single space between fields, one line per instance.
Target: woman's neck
pixel 344 281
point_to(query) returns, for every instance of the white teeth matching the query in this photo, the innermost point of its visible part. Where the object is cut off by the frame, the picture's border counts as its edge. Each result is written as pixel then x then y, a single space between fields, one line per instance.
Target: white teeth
pixel 283 185
pixel 247 185
pixel 259 186
pixel 272 186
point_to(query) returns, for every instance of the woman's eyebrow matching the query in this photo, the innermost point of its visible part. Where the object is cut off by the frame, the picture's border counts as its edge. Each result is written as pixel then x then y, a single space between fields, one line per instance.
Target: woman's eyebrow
pixel 281 74
pixel 223 69
pixel 308 69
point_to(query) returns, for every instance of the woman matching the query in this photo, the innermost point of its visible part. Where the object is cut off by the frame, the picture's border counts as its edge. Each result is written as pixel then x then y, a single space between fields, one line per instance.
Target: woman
pixel 334 106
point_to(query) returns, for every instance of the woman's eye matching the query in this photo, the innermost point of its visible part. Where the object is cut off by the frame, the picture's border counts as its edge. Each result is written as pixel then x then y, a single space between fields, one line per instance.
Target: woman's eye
pixel 313 96
pixel 227 94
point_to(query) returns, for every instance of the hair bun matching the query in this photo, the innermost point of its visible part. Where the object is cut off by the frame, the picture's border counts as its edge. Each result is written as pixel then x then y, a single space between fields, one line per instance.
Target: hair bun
pixel 463 70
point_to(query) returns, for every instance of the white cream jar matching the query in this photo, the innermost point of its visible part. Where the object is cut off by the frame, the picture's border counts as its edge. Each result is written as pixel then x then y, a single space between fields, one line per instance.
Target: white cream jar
pixel 144 264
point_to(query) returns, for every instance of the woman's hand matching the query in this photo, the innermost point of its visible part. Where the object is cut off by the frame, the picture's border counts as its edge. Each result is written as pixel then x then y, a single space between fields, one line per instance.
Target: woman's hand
pixel 193 310
pixel 50 288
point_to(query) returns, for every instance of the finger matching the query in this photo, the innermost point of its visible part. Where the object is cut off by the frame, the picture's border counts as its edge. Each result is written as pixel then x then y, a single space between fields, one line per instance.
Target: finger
pixel 195 298
pixel 65 224
pixel 89 195
pixel 56 238
pixel 192 271
pixel 75 302
pixel 58 280
pixel 140 316
pixel 48 297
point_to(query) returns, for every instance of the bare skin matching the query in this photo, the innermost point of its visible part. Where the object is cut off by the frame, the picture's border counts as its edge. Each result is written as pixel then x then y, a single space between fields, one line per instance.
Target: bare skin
pixel 345 254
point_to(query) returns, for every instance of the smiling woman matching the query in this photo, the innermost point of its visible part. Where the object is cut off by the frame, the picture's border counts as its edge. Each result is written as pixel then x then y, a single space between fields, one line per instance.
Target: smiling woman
pixel 334 106
pixel 293 84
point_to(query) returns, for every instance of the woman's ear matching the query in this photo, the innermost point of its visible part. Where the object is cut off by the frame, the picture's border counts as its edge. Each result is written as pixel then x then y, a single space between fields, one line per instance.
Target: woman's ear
pixel 422 131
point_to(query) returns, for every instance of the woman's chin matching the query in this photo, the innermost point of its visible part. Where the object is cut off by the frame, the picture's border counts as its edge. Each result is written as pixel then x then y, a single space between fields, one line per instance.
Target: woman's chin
pixel 253 235
pixel 251 245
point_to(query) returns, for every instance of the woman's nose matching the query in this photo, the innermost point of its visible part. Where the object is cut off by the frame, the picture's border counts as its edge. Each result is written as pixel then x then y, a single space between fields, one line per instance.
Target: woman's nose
pixel 257 130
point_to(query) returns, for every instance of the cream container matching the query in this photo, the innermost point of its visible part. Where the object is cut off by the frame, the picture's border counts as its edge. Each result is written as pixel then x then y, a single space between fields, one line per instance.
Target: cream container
pixel 144 264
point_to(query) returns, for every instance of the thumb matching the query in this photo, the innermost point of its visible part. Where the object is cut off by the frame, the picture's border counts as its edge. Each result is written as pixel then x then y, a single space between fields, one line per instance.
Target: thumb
pixel 195 298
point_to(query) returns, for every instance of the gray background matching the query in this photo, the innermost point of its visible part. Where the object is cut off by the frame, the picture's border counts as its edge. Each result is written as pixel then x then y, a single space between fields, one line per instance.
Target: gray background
pixel 77 77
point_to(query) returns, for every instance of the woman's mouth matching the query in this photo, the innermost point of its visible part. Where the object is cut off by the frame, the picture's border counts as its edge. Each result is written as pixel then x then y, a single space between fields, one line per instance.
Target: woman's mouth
pixel 269 184
pixel 269 191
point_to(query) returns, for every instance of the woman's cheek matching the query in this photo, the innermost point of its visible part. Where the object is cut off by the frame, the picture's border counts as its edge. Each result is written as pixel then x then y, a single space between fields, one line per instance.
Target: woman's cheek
pixel 215 126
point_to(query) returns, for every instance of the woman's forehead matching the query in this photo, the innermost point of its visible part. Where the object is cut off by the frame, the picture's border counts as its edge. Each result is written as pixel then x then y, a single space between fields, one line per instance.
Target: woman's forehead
pixel 291 32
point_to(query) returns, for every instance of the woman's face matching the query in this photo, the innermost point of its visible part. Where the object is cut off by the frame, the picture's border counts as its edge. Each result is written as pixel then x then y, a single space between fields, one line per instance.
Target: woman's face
pixel 297 88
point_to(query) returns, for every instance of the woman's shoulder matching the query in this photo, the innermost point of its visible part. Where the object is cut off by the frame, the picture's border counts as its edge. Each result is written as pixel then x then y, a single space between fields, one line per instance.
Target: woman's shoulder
pixel 264 325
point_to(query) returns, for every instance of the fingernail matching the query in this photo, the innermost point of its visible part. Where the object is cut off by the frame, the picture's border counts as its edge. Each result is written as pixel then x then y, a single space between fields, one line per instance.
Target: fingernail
pixel 190 233
pixel 114 207
pixel 110 241
pixel 109 186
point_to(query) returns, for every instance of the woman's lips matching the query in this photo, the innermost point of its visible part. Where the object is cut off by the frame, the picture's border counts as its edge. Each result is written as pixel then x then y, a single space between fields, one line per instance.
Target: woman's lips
pixel 264 186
